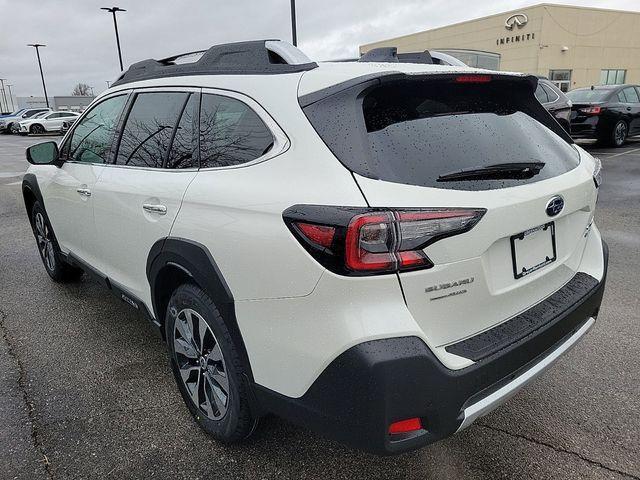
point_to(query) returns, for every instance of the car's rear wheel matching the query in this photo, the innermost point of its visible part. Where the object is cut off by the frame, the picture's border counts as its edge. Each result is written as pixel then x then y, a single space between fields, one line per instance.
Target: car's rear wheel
pixel 55 265
pixel 619 134
pixel 207 367
pixel 13 128
pixel 37 129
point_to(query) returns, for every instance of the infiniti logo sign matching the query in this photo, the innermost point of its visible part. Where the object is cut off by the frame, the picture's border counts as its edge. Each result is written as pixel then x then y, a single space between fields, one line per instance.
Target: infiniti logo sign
pixel 555 206
pixel 517 19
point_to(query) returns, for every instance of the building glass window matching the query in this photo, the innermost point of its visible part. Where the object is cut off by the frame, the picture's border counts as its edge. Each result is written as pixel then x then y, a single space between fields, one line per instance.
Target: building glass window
pixel 561 78
pixel 475 58
pixel 612 77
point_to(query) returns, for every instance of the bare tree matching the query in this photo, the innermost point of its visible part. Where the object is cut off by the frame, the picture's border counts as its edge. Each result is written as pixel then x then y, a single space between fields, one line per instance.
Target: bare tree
pixel 81 90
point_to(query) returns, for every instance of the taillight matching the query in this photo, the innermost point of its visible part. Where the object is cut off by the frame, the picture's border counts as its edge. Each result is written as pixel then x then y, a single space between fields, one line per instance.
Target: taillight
pixel 591 110
pixel 360 241
pixel 405 426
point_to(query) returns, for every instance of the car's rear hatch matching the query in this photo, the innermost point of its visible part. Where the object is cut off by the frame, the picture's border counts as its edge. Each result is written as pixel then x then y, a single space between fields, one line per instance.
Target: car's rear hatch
pixel 443 141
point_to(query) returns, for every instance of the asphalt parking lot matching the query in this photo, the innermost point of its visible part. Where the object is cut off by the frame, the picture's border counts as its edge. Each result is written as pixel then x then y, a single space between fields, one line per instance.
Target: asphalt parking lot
pixel 86 390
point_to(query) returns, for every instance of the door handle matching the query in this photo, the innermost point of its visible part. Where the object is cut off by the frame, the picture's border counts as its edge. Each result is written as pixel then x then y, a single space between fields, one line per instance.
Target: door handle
pixel 151 208
pixel 628 109
pixel 85 192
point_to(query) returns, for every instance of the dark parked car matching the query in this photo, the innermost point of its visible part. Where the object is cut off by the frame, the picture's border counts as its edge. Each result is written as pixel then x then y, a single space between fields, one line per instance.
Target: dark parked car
pixel 610 113
pixel 555 101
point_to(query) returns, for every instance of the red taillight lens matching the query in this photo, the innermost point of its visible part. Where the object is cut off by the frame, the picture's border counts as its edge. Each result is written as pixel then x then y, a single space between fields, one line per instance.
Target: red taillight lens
pixel 473 79
pixel 319 234
pixel 369 242
pixel 405 426
pixel 361 241
pixel 592 110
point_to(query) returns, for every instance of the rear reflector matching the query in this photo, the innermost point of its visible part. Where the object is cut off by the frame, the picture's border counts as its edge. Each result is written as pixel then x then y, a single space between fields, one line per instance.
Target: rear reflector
pixel 473 79
pixel 405 426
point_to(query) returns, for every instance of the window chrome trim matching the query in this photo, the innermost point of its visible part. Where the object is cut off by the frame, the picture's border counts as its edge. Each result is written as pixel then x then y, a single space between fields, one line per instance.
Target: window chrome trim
pixel 281 142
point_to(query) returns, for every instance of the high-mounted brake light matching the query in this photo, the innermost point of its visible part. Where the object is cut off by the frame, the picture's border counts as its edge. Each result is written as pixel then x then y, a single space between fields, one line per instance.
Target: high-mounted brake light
pixel 473 79
pixel 592 110
pixel 362 241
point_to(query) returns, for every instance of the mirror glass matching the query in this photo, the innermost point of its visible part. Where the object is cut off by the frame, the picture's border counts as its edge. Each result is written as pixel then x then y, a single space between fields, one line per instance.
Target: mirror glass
pixel 43 153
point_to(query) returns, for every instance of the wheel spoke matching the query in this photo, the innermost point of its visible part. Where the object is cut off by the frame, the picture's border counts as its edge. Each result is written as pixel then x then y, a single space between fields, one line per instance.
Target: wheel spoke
pixel 207 405
pixel 202 333
pixel 219 378
pixel 185 348
pixel 219 397
pixel 215 355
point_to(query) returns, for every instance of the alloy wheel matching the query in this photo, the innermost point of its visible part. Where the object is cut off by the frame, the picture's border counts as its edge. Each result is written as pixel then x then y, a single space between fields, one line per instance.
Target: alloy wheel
pixel 37 129
pixel 45 242
pixel 620 133
pixel 201 364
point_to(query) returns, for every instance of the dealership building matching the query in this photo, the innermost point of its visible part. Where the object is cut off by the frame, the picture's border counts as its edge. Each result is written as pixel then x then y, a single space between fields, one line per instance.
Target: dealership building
pixel 572 46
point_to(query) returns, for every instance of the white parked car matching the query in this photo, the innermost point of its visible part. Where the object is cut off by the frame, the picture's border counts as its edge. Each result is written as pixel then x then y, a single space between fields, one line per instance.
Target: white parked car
pixel 382 252
pixel 50 122
pixel 9 123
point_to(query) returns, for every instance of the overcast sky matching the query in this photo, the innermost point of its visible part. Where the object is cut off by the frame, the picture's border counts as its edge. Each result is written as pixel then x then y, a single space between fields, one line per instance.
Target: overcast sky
pixel 81 42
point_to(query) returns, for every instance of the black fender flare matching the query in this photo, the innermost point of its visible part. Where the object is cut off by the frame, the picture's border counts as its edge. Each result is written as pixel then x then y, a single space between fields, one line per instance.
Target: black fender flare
pixel 196 261
pixel 30 185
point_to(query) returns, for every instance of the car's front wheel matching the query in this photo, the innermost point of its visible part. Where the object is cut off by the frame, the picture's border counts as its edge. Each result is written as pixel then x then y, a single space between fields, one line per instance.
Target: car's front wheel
pixel 37 129
pixel 207 366
pixel 52 259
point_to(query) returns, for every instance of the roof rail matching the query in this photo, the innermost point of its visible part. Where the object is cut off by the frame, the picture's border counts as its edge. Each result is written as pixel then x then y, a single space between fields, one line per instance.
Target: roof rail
pixel 391 55
pixel 257 57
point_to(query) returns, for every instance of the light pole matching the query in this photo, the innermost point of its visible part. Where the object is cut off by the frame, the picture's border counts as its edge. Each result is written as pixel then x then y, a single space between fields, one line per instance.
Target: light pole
pixel 13 108
pixel 294 34
pixel 44 87
pixel 4 96
pixel 113 10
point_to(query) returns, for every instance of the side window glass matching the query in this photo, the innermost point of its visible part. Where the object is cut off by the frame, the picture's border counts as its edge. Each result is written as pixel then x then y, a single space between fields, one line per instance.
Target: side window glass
pixel 541 94
pixel 149 128
pixel 184 142
pixel 551 95
pixel 621 97
pixel 92 136
pixel 231 133
pixel 632 95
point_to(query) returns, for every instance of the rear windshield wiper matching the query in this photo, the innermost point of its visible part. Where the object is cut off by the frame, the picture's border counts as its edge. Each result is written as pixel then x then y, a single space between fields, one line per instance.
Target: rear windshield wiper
pixel 500 171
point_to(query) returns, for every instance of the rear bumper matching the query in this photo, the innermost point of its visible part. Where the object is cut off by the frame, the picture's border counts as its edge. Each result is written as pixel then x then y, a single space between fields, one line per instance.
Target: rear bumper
pixel 376 383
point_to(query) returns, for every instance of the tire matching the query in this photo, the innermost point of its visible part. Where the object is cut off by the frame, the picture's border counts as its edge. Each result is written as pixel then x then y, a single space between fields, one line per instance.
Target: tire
pixel 618 134
pixel 12 128
pixel 37 129
pixel 55 265
pixel 210 374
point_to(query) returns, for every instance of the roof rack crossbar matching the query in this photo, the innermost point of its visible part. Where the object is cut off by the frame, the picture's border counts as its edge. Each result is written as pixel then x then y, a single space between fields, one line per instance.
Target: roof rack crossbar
pixel 257 57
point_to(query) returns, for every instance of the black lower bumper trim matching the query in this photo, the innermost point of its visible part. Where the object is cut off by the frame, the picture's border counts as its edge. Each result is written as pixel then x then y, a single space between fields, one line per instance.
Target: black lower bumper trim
pixel 495 339
pixel 376 383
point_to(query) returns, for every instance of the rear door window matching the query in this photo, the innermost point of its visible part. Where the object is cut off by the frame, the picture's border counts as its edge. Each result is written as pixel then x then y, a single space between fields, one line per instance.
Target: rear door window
pixel 149 128
pixel 231 133
pixel 631 95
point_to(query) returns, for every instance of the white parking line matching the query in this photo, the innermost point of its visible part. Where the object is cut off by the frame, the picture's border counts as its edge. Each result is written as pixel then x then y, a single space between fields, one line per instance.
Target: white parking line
pixel 624 153
pixel 13 183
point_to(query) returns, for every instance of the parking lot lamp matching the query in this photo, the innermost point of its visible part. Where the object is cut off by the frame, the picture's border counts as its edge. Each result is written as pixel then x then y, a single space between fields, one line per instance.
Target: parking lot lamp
pixel 13 108
pixel 294 33
pixel 4 96
pixel 44 87
pixel 113 10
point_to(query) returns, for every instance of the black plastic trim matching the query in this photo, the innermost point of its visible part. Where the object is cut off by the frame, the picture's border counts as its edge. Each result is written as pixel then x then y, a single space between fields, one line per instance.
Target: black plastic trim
pixel 371 385
pixel 495 339
pixel 241 58
pixel 195 260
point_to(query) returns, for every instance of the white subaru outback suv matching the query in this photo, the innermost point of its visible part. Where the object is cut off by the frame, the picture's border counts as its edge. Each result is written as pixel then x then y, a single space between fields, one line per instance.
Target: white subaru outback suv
pixel 380 251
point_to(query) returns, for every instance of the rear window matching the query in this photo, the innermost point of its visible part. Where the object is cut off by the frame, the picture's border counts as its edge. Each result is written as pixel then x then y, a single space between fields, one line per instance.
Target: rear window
pixel 587 95
pixel 416 132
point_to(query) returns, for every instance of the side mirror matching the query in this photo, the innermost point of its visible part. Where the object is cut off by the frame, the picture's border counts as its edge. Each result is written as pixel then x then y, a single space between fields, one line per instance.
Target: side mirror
pixel 45 153
pixel 24 115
